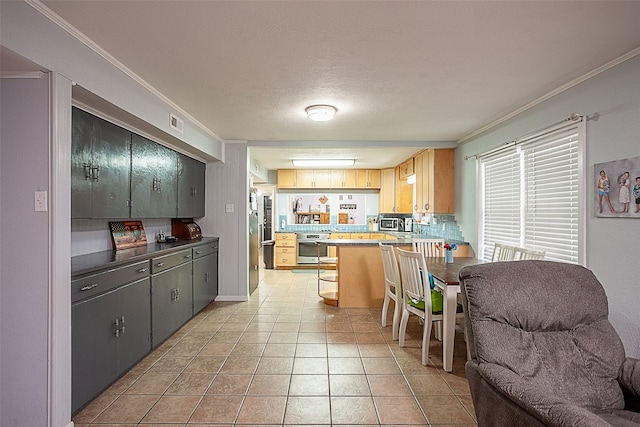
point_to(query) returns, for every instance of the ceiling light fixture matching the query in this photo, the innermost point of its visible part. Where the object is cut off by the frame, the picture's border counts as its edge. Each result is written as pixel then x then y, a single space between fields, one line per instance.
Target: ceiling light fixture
pixel 321 113
pixel 315 163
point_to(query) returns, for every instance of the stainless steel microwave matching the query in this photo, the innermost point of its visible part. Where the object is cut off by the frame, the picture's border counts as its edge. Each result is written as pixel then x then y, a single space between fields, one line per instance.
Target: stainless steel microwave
pixel 388 224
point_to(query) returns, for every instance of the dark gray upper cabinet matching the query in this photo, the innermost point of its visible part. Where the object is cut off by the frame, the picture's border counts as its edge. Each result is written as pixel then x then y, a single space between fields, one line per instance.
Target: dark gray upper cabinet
pixel 154 179
pixel 118 174
pixel 191 187
pixel 100 168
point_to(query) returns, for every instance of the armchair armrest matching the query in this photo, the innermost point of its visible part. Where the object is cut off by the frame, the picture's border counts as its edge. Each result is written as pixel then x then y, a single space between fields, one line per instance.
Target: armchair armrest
pixel 629 380
pixel 543 406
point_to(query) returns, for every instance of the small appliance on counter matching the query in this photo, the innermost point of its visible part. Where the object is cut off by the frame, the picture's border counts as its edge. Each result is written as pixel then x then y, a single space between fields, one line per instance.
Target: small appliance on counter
pixel 185 229
pixel 388 224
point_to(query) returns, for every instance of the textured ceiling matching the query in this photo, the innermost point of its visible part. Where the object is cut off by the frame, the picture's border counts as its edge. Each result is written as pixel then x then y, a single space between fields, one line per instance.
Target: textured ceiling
pixel 397 71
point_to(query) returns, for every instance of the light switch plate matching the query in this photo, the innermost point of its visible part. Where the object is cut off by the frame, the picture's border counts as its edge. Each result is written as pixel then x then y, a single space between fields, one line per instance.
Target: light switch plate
pixel 40 201
pixel 229 208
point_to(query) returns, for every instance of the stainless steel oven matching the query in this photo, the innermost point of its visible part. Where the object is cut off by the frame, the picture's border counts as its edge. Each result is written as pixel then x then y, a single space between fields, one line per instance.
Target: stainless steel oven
pixel 307 248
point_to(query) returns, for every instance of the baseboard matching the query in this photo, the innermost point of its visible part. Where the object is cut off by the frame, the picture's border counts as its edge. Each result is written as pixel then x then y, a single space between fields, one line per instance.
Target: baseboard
pixel 233 298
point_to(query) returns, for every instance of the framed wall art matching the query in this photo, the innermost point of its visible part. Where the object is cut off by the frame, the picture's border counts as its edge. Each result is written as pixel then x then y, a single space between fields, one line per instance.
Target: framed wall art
pixel 617 188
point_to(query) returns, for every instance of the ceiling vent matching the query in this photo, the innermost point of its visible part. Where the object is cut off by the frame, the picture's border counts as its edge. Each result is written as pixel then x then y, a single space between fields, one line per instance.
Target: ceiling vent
pixel 176 123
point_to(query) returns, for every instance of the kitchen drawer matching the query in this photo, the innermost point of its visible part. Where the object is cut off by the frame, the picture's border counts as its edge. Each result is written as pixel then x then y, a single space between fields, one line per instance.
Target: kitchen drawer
pixel 103 281
pixel 282 237
pixel 360 236
pixel 285 258
pixel 168 261
pixel 285 243
pixel 340 236
pixel 286 251
pixel 204 250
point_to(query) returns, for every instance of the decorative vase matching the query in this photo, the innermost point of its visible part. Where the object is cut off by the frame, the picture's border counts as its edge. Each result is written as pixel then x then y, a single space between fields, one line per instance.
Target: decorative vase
pixel 448 256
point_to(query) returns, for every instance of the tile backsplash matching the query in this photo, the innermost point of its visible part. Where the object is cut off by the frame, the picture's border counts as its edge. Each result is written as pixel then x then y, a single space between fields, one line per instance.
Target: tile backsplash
pixel 441 226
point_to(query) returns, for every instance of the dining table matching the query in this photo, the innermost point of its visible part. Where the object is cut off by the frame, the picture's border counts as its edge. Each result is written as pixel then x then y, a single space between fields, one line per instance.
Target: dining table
pixel 447 279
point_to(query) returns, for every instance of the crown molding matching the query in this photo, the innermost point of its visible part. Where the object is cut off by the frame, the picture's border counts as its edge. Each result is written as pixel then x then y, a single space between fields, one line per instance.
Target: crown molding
pixel 551 94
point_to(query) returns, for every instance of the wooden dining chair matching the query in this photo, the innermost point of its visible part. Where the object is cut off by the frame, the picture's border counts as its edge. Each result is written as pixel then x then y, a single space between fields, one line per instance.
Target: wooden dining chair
pixel 392 287
pixel 524 253
pixel 502 252
pixel 431 248
pixel 416 298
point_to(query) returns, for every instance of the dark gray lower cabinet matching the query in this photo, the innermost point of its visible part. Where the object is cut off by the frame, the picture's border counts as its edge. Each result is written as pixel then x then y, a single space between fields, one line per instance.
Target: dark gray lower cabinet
pixel 172 300
pixel 110 333
pixel 205 275
pixel 119 313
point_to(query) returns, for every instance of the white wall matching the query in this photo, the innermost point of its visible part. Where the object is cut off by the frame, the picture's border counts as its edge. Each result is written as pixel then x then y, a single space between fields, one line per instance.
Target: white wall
pixel 228 184
pixel 611 101
pixel 28 360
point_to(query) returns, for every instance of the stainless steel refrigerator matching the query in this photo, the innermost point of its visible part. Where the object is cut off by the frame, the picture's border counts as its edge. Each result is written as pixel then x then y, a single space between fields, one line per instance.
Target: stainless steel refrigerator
pixel 254 275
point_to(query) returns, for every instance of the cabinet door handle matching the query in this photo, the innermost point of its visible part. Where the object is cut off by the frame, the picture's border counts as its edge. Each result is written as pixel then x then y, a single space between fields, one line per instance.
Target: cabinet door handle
pixel 187 256
pixel 87 170
pixel 160 264
pixel 142 270
pixel 88 287
pixel 198 252
pixel 116 328
pixel 95 173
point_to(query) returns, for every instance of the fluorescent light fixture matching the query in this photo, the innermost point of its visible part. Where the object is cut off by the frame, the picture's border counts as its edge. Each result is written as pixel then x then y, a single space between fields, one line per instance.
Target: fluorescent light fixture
pixel 411 179
pixel 321 113
pixel 315 163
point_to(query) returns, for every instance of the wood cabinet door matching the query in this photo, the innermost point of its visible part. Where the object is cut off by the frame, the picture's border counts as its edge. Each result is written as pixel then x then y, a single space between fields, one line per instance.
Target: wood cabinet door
pixel 322 179
pixel 406 168
pixel 442 190
pixel 286 178
pixel 368 178
pixel 304 178
pixel 374 178
pixel 404 196
pixel 386 197
pixel 419 162
pixel 343 178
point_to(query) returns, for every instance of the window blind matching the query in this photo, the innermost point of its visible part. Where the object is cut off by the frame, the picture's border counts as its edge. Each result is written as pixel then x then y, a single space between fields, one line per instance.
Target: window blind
pixel 530 196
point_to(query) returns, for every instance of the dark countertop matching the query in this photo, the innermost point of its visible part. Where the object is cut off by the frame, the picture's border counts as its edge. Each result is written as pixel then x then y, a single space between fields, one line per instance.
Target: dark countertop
pixel 88 263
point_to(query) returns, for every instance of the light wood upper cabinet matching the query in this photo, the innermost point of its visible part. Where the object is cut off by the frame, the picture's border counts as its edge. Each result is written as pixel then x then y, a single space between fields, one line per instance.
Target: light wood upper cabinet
pixel 286 178
pixel 406 168
pixel 343 178
pixel 368 178
pixel 304 178
pixel 335 179
pixel 403 194
pixel 434 181
pixel 387 196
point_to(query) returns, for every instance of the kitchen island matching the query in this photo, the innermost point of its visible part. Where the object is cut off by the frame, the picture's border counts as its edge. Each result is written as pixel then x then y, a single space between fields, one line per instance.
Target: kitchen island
pixel 360 276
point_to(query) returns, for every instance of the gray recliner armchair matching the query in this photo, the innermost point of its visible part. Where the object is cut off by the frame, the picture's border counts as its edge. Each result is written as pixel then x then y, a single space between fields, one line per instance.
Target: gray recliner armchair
pixel 543 350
